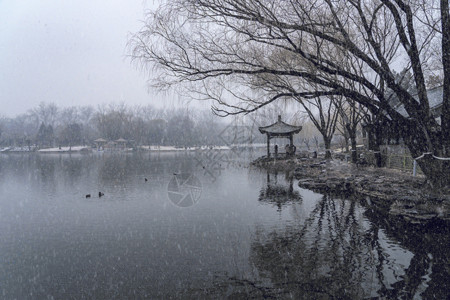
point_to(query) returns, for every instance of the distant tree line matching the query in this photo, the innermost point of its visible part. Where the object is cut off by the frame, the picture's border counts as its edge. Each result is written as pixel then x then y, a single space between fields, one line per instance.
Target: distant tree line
pixel 48 125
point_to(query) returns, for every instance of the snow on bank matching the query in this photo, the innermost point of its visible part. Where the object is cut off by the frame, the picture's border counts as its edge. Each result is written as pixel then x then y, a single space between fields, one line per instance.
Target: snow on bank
pixel 66 149
pixel 173 148
pixel 18 149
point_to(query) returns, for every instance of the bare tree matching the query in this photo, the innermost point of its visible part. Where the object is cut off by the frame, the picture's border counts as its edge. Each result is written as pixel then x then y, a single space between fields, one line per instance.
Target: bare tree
pixel 316 141
pixel 71 134
pixel 86 114
pixel 114 121
pixel 68 115
pixel 46 113
pixel 223 47
pixel 323 112
pixel 351 114
pixel 307 142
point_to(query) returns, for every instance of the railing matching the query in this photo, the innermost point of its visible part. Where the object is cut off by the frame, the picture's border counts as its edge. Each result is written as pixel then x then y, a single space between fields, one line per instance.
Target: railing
pixel 402 162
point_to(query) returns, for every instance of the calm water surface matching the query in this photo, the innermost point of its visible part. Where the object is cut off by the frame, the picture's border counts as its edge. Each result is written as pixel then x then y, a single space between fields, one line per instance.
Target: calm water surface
pixel 250 234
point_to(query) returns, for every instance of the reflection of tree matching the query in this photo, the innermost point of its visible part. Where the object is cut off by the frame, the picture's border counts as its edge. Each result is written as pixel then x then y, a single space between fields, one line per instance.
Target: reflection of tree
pixel 322 259
pixel 337 253
pixel 46 169
pixel 72 167
pixel 430 261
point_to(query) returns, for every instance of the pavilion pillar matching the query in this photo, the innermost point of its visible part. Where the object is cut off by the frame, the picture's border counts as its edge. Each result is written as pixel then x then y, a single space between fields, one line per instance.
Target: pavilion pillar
pixel 291 140
pixel 268 145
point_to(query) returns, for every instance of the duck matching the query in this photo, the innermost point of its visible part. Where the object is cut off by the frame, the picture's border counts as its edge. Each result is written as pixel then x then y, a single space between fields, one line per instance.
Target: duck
pixel 145 179
pixel 100 194
pixel 88 196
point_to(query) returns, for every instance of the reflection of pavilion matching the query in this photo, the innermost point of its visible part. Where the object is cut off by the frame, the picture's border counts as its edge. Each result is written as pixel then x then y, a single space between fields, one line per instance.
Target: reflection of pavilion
pixel 279 194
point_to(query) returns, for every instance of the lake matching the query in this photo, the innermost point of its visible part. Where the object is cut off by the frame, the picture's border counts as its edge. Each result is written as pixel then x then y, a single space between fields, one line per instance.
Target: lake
pixel 200 226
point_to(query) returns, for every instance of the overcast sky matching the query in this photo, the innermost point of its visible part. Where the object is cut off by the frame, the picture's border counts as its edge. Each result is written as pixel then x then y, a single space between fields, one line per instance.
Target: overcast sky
pixel 70 53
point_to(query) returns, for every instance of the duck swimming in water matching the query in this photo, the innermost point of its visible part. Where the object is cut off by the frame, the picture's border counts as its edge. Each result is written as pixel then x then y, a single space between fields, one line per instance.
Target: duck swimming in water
pixel 100 194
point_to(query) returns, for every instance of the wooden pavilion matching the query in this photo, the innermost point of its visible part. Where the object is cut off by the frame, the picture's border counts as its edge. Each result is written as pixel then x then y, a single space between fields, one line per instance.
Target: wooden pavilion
pixel 280 129
pixel 121 143
pixel 100 143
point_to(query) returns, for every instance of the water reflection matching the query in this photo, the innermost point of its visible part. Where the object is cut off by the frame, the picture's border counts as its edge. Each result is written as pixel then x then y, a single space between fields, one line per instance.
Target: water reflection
pixel 252 234
pixel 427 274
pixel 338 253
pixel 326 255
pixel 278 193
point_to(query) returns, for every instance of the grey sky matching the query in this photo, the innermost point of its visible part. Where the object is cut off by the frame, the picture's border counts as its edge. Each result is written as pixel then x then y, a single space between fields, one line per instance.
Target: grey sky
pixel 70 53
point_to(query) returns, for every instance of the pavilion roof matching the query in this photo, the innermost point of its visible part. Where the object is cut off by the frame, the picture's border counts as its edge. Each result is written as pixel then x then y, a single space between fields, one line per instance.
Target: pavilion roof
pixel 100 140
pixel 280 128
pixel 121 140
pixel 435 100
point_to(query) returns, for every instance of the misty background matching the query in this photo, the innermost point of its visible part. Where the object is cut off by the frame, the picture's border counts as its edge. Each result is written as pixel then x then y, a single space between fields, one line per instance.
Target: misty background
pixel 65 79
pixel 71 53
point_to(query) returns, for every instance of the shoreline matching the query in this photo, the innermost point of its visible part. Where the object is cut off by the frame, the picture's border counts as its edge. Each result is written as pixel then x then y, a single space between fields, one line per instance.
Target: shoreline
pixel 396 192
pixel 88 149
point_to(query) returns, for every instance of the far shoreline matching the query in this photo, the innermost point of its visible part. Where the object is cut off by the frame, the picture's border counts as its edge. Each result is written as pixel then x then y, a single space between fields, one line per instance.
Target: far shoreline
pixel 89 149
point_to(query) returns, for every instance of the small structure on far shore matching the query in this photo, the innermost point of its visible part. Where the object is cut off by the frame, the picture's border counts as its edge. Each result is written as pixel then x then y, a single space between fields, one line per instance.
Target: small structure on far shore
pixel 281 129
pixel 121 143
pixel 100 143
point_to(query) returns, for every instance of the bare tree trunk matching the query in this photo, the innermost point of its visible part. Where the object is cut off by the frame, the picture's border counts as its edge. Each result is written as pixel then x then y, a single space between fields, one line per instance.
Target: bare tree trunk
pixel 374 145
pixel 306 141
pixel 436 170
pixel 445 115
pixel 354 152
pixel 351 130
pixel 377 150
pixel 327 143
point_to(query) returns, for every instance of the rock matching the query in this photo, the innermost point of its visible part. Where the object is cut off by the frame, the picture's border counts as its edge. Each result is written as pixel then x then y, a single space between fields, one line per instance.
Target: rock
pixel 304 181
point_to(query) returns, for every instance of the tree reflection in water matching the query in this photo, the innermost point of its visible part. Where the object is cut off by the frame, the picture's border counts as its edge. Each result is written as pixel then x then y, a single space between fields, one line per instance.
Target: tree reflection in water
pixel 344 251
pixel 325 257
pixel 428 271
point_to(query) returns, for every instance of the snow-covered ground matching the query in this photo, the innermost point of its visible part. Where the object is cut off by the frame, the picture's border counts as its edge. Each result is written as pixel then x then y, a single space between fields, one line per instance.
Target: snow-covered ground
pixel 173 148
pixel 147 148
pixel 17 149
pixel 65 149
pixel 339 150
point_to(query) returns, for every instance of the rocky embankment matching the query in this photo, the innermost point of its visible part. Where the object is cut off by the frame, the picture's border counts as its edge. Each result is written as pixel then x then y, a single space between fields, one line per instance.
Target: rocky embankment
pixel 397 192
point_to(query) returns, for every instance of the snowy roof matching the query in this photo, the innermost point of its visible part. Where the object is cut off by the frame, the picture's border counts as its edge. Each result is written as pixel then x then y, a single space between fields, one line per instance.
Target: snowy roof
pixel 435 96
pixel 280 128
pixel 121 140
pixel 100 140
pixel 401 110
pixel 434 99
